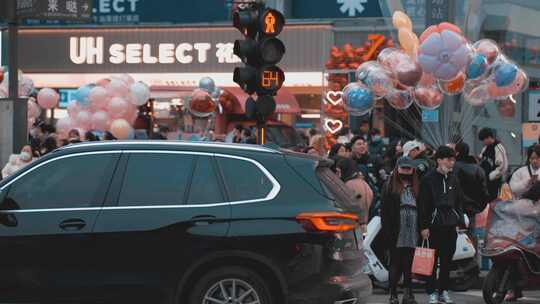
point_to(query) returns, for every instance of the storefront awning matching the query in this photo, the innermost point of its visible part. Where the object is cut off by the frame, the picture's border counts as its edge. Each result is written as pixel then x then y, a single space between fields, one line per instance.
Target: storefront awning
pixel 285 101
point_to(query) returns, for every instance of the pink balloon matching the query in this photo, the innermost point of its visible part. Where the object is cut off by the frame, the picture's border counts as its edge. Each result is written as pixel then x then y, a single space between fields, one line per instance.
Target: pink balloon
pixel 48 98
pixel 117 107
pixel 103 82
pixel 117 88
pixel 427 80
pixel 63 126
pixel 33 109
pixel 73 108
pixel 127 79
pixel 100 121
pixel 428 98
pixel 399 100
pixel 120 128
pixel 84 120
pixel 477 94
pixel 98 98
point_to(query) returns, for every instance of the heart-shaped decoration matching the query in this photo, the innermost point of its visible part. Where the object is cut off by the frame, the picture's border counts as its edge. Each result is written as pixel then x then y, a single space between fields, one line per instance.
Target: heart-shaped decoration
pixel 333 125
pixel 334 97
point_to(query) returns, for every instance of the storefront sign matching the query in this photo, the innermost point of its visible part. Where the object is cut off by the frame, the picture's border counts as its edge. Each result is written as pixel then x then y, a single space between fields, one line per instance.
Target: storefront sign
pixel 305 9
pixel 438 11
pixel 158 50
pixel 153 11
pixel 77 10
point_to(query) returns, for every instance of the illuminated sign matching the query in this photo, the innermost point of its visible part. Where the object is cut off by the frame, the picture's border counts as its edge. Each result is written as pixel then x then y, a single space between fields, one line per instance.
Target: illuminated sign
pixel 270 22
pixel 272 79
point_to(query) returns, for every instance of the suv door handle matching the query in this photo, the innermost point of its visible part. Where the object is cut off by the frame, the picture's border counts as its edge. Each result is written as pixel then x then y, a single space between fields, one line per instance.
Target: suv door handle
pixel 202 220
pixel 72 224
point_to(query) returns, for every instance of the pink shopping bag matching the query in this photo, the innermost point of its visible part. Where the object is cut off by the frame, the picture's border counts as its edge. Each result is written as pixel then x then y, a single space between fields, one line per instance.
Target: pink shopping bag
pixel 424 259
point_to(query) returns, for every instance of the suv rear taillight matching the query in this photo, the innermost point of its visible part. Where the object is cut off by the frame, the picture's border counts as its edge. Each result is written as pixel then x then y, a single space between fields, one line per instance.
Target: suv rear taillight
pixel 328 221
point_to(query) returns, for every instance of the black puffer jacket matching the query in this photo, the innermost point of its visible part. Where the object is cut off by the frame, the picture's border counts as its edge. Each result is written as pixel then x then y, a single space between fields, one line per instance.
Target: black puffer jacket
pixel 441 200
pixel 472 179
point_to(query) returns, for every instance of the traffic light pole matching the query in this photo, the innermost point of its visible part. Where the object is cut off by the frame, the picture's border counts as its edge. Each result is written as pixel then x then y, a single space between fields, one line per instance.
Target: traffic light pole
pixel 13 110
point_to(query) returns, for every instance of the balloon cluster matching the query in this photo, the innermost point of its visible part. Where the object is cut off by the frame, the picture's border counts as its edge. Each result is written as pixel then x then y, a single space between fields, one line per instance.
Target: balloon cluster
pixel 208 99
pixel 107 105
pixel 26 85
pixel 441 61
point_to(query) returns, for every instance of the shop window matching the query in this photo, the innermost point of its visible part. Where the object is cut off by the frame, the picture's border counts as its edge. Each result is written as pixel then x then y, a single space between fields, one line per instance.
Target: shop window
pixel 205 188
pixel 156 179
pixel 244 180
pixel 74 182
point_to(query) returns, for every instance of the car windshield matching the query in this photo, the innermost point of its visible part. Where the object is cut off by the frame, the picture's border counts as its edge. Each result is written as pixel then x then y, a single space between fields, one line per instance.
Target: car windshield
pixel 283 136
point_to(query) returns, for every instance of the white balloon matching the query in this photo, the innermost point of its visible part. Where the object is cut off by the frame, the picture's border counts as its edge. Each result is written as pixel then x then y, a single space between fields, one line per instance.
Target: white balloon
pixel 140 92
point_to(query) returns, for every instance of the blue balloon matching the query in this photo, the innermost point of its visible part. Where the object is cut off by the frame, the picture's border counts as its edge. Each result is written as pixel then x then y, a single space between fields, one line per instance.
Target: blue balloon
pixel 359 99
pixel 81 95
pixel 505 74
pixel 477 67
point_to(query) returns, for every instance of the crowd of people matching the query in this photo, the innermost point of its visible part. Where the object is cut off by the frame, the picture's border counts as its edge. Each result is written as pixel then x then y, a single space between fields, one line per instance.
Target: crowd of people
pixel 423 194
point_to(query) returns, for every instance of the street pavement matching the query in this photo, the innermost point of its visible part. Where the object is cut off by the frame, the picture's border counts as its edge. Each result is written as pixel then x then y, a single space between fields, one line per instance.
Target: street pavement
pixel 469 297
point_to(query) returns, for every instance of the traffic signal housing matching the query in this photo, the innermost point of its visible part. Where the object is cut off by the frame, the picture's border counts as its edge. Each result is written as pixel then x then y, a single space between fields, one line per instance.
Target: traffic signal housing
pixel 260 51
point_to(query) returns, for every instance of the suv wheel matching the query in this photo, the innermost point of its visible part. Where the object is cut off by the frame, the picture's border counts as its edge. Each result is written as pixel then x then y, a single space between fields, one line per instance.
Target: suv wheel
pixel 231 285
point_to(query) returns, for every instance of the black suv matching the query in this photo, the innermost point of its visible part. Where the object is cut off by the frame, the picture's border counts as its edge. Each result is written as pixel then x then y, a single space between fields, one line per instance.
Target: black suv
pixel 194 223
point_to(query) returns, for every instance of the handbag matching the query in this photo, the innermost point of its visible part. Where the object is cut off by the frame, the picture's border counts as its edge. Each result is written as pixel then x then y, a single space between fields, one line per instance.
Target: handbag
pixel 424 260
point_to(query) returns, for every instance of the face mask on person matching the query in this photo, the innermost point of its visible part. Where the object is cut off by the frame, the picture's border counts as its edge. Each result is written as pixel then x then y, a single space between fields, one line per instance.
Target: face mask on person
pixel 445 170
pixel 405 177
pixel 25 156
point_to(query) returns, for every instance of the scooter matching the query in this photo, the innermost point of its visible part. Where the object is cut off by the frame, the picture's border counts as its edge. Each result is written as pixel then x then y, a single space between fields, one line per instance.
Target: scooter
pixel 464 272
pixel 512 268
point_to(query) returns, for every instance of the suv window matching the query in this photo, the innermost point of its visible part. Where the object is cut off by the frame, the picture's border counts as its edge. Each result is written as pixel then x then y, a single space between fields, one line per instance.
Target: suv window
pixel 156 179
pixel 244 180
pixel 205 188
pixel 72 182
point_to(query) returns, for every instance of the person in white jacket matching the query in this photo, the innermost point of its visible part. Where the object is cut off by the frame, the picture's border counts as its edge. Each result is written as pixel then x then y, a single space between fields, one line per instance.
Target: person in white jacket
pixel 494 161
pixel 527 175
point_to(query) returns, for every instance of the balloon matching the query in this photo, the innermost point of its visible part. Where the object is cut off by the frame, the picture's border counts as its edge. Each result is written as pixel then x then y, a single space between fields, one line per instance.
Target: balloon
pixel 450 27
pixel 81 95
pixel 103 82
pixel 26 86
pixel 428 98
pixel 430 30
pixel 376 77
pixel 63 126
pixel 120 128
pixel 100 121
pixel 477 67
pixel 47 98
pixel 400 100
pixel 201 103
pixel 427 80
pixel 84 120
pixel 505 74
pixel 401 21
pixel 519 85
pixel 73 108
pixel 358 99
pixel 454 86
pixel 444 54
pixel 409 41
pixel 127 79
pixel 117 88
pixel 117 107
pixel 207 84
pixel 140 93
pixel 33 109
pixel 98 98
pixel 408 73
pixel 488 48
pixel 476 94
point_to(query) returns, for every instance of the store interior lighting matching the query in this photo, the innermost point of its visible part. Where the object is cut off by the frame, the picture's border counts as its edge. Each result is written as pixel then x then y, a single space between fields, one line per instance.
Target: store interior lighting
pixel 311 116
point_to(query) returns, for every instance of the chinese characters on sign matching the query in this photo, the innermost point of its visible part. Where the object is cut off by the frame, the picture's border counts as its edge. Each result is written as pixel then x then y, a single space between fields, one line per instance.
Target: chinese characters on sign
pixel 438 11
pixel 78 10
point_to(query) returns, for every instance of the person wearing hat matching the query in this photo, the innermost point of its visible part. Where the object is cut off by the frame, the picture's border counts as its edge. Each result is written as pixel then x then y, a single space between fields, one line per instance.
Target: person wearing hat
pixel 441 199
pixel 417 151
pixel 400 225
